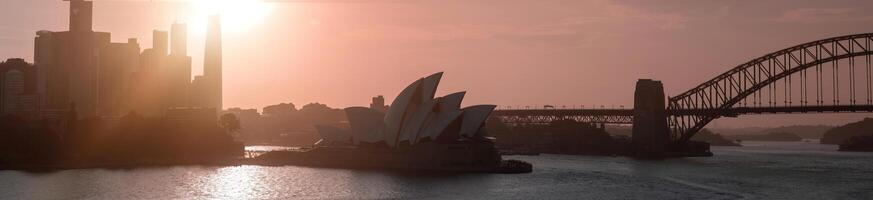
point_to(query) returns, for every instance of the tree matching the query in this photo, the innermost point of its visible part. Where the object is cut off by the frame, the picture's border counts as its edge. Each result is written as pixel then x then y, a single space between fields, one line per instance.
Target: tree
pixel 229 122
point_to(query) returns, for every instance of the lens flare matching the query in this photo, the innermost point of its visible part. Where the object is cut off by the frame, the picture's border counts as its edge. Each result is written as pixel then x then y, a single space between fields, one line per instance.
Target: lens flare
pixel 236 15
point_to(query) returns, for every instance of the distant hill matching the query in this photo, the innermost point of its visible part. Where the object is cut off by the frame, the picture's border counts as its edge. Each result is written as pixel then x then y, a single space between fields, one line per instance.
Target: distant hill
pixel 858 143
pixel 804 131
pixel 740 131
pixel 840 134
pixel 713 139
pixel 704 135
pixel 772 136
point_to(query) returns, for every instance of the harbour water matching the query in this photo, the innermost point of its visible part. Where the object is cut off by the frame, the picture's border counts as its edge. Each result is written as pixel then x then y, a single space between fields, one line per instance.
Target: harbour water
pixel 759 170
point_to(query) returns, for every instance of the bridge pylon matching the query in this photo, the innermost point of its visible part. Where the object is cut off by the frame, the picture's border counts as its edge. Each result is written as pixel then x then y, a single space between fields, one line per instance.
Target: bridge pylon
pixel 651 133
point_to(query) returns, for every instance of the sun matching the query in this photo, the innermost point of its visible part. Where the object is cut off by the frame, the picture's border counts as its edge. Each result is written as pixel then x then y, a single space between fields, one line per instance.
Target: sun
pixel 236 15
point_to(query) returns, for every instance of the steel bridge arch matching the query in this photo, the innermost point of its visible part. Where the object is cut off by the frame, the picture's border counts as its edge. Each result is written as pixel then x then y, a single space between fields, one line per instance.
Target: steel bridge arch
pixel 730 88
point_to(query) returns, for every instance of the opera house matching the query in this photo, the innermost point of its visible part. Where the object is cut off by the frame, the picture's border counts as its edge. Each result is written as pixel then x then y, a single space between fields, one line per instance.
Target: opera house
pixel 418 132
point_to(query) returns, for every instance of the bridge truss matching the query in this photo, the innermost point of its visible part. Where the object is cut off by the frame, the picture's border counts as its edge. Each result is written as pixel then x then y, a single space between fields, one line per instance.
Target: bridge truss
pixel 826 76
pixel 829 75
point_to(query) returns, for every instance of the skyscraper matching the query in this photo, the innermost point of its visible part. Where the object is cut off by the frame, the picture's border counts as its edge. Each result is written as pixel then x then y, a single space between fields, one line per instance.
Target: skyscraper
pixel 80 16
pixel 69 62
pixel 179 39
pixel 178 71
pixel 118 62
pixel 212 63
pixel 160 42
pixel 82 67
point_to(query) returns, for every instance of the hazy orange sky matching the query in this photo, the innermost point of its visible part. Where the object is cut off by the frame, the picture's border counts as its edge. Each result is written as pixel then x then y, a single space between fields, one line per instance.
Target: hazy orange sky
pixel 342 52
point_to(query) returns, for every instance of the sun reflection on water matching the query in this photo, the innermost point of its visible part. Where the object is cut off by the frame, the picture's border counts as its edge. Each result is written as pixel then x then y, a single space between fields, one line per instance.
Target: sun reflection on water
pixel 237 182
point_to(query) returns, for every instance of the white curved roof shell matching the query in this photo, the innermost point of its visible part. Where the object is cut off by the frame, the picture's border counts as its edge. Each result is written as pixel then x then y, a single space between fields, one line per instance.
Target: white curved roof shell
pixel 413 124
pixel 433 130
pixel 364 122
pixel 442 114
pixel 474 118
pixel 396 113
pixel 428 88
pixel 413 116
pixel 452 101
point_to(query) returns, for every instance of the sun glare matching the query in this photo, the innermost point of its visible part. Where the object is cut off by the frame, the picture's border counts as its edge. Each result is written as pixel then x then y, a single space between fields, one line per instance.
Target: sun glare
pixel 236 15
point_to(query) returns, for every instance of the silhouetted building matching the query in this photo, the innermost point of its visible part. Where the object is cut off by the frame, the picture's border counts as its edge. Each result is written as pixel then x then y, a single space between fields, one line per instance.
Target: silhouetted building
pixel 378 104
pixel 83 68
pixel 177 76
pixel 208 87
pixel 118 62
pixel 179 39
pixel 279 109
pixel 18 87
pixel 148 90
pixel 80 16
pixel 160 42
pixel 69 61
pixel 178 70
pixel 163 79
pixel 212 64
pixel 198 91
pixel 43 56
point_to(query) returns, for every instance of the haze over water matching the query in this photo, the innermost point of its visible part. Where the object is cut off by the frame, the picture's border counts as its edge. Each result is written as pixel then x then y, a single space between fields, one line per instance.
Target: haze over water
pixel 512 54
pixel 570 53
pixel 760 170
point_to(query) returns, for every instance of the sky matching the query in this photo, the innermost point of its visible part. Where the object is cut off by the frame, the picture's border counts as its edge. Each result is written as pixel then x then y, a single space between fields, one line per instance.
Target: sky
pixel 504 52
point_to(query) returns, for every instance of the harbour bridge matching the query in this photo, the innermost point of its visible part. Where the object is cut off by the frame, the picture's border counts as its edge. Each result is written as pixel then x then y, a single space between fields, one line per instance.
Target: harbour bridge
pixel 778 82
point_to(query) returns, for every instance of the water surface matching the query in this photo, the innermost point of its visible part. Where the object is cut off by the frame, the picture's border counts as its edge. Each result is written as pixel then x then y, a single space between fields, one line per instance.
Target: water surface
pixel 760 170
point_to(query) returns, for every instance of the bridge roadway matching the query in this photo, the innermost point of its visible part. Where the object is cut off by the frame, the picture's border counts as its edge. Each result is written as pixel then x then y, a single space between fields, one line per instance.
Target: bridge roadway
pixel 625 116
pixel 544 116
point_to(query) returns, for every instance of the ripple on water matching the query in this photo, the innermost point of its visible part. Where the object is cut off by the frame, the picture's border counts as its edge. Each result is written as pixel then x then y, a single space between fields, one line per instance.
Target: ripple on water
pixel 733 173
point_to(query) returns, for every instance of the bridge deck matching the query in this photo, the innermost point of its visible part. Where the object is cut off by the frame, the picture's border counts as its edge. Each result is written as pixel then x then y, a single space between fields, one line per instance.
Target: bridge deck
pixel 564 112
pixel 733 112
pixel 625 116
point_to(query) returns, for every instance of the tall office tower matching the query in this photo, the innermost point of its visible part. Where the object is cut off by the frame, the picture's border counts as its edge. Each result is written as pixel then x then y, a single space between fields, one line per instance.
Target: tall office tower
pixel 160 42
pixel 70 60
pixel 178 72
pixel 212 63
pixel 179 39
pixel 118 62
pixel 80 15
pixel 43 56
pixel 152 85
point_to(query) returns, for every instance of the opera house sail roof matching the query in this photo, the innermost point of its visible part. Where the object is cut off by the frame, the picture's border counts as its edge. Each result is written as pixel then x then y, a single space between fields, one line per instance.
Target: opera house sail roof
pixel 415 116
pixel 419 131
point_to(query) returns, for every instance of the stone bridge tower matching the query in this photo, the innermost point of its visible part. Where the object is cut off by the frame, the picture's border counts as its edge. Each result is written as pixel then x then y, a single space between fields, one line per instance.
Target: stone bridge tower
pixel 651 134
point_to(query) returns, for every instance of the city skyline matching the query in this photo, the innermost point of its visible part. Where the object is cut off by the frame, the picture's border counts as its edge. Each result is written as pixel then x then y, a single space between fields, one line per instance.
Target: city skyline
pixel 82 72
pixel 436 99
pixel 471 50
